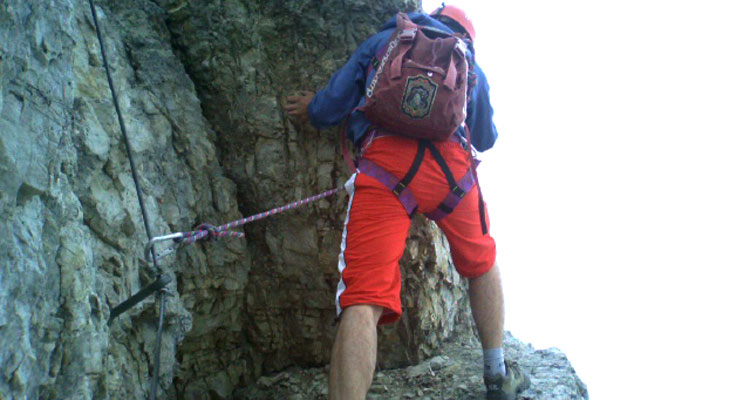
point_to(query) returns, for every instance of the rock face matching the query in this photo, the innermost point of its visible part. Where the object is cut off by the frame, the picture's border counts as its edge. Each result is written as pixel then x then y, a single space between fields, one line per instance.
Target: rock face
pixel 454 374
pixel 200 85
pixel 74 232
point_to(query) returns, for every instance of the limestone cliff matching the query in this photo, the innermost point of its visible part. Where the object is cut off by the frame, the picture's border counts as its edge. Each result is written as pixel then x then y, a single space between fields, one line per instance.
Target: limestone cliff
pixel 200 85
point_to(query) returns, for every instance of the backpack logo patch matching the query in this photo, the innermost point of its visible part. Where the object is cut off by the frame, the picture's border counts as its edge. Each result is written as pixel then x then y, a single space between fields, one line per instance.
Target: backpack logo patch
pixel 419 96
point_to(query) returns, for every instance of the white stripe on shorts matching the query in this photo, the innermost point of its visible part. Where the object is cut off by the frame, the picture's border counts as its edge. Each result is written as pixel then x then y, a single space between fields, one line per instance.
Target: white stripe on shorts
pixel 342 261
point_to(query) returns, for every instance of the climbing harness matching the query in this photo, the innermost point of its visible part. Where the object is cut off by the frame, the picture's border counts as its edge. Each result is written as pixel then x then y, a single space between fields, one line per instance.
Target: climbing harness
pixel 180 238
pixel 400 187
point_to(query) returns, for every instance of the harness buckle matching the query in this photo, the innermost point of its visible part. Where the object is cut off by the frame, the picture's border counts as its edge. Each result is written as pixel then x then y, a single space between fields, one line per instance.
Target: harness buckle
pixel 458 192
pixel 399 188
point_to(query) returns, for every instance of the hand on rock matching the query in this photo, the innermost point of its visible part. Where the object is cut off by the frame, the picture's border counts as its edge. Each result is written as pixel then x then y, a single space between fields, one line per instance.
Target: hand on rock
pixel 296 105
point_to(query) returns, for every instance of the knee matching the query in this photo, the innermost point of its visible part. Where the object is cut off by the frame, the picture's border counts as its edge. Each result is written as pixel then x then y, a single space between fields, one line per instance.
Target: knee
pixel 363 313
pixel 492 273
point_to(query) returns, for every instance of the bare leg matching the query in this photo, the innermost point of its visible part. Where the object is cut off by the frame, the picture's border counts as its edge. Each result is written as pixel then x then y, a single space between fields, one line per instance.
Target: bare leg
pixel 354 353
pixel 486 297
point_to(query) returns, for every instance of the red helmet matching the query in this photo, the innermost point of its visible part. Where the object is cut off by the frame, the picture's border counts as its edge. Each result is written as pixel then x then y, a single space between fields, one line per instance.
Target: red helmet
pixel 458 15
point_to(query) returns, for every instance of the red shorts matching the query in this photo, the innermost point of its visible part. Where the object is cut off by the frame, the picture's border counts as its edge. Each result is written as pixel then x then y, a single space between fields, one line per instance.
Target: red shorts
pixel 377 225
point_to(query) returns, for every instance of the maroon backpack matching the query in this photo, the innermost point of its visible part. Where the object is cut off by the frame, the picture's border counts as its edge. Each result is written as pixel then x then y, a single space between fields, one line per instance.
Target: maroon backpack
pixel 420 87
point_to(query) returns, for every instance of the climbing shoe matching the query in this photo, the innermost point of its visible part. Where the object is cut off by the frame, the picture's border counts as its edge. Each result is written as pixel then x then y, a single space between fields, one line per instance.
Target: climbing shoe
pixel 507 387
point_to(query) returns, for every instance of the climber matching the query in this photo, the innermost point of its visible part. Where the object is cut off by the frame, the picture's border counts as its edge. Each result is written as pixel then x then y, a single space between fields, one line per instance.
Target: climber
pixel 378 221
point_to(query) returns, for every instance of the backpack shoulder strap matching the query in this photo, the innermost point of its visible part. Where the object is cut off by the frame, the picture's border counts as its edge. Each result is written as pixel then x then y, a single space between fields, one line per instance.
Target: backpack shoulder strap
pixel 403 22
pixel 406 32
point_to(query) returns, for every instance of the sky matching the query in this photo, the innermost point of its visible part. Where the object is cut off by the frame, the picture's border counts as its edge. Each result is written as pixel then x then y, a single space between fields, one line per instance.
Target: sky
pixel 619 187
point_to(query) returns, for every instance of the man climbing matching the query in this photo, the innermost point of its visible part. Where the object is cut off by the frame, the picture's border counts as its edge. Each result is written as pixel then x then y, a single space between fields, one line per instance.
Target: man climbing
pixel 397 175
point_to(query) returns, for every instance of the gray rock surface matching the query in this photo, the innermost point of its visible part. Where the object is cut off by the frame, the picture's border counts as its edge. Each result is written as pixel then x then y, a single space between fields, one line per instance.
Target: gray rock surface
pixel 75 235
pixel 201 85
pixel 455 373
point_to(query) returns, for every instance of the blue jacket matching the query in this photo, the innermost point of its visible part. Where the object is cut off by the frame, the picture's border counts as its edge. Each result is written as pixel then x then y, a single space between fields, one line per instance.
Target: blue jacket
pixel 346 90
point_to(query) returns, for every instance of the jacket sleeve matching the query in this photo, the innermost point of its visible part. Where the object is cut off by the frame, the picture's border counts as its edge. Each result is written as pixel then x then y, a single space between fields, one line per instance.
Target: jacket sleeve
pixel 345 88
pixel 479 118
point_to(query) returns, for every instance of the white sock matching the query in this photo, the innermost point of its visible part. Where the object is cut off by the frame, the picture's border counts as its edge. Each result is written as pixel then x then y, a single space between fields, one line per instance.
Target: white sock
pixel 494 362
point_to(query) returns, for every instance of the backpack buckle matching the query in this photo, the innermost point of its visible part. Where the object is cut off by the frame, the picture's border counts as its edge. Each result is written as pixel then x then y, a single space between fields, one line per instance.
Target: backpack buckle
pixel 408 34
pixel 458 192
pixel 461 46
